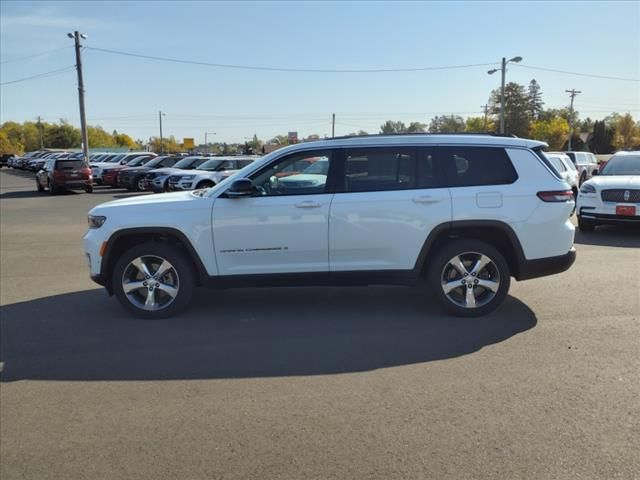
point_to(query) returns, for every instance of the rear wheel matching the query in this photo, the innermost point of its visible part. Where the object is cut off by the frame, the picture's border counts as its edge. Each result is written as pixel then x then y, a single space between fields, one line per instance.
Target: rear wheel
pixel 52 188
pixel 88 189
pixel 469 278
pixel 153 280
pixel 583 178
pixel 586 225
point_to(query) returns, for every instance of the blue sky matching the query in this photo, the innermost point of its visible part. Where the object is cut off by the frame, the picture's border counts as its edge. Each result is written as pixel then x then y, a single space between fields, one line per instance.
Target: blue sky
pixel 125 93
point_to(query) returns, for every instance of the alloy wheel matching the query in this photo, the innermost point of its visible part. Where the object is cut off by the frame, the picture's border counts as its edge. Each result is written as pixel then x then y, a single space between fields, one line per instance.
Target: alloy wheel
pixel 470 280
pixel 150 282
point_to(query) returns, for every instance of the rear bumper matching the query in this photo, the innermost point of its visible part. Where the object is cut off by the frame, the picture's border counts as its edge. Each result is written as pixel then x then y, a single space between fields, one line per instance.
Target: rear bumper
pixel 80 184
pixel 542 267
pixel 607 219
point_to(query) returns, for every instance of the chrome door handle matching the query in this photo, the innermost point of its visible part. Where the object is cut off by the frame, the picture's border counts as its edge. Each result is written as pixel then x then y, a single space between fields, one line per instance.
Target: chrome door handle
pixel 426 199
pixel 308 204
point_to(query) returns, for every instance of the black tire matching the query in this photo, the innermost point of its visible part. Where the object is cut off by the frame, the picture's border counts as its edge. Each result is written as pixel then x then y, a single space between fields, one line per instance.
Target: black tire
pixel 583 178
pixel 52 188
pixel 181 264
pixel 88 189
pixel 498 269
pixel 205 184
pixel 40 187
pixel 585 225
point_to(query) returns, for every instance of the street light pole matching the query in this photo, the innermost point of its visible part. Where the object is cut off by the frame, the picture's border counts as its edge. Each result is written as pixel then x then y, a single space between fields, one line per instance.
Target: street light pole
pixel 83 119
pixel 503 69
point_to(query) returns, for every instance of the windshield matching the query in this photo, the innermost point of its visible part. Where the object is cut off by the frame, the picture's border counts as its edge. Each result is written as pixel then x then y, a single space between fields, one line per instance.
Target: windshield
pixel 117 158
pixel 211 164
pixel 190 162
pixel 622 165
pixel 138 161
pixel 155 161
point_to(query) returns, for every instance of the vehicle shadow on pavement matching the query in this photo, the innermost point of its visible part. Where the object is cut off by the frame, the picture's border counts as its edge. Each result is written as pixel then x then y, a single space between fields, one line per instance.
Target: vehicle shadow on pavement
pixel 627 236
pixel 242 334
pixel 23 194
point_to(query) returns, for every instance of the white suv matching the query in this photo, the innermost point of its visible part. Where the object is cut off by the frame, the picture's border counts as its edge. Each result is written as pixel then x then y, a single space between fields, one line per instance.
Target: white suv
pixel 468 212
pixel 586 163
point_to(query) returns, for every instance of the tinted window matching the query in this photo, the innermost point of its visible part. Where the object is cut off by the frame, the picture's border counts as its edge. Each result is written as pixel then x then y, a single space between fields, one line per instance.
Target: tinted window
pixel 244 163
pixel 288 175
pixel 472 166
pixel 426 169
pixel 378 169
pixel 168 162
pixel 622 165
pixel 69 164
pixel 557 163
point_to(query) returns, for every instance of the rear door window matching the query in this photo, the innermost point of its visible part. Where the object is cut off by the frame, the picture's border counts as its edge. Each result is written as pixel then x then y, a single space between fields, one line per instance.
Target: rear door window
pixel 475 166
pixel 379 169
pixel 69 164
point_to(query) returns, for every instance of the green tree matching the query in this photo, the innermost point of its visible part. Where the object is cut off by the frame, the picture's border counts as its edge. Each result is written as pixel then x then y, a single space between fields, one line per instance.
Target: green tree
pixel 516 109
pixel 359 133
pixel 626 133
pixel 477 125
pixel 447 124
pixel 62 136
pixel 601 138
pixel 555 131
pixel 416 127
pixel 99 138
pixel 535 99
pixel 392 127
pixel 7 146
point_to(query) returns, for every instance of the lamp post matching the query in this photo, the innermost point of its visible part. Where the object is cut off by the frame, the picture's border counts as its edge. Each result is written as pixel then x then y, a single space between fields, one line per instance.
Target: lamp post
pixel 503 69
pixel 206 144
pixel 77 36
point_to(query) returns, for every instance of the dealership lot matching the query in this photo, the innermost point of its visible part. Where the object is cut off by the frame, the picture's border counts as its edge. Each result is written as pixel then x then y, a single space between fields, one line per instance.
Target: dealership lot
pixel 310 382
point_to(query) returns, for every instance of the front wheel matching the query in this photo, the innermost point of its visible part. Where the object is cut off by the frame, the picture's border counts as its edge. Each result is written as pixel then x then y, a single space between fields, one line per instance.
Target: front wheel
pixel 469 278
pixel 153 280
pixel 205 184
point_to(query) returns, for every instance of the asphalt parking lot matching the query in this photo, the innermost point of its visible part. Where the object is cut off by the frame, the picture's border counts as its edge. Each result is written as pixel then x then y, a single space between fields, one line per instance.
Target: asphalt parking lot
pixel 310 382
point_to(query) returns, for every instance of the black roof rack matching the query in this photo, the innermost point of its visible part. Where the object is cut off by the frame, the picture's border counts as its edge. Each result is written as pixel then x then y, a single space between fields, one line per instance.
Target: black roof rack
pixel 490 134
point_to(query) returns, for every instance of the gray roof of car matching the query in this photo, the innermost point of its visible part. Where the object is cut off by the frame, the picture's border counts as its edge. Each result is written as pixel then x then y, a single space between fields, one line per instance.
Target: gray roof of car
pixel 416 140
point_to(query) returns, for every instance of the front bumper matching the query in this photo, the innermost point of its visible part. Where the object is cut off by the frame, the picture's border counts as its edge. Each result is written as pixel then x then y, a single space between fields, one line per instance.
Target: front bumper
pixel 593 209
pixel 542 267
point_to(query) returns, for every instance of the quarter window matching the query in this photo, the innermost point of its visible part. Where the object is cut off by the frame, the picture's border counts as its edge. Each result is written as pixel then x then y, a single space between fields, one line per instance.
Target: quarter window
pixel 379 169
pixel 475 166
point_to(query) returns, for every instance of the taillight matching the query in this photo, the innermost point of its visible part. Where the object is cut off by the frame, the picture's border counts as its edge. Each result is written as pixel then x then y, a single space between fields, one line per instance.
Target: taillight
pixel 86 171
pixel 556 196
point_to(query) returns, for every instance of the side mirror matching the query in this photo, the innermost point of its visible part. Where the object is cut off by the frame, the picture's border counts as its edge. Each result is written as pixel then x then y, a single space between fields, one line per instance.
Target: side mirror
pixel 242 187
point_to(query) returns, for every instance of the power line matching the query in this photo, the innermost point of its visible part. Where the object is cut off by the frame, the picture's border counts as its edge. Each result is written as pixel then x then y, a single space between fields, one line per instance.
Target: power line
pixel 34 56
pixel 607 77
pixel 41 75
pixel 286 69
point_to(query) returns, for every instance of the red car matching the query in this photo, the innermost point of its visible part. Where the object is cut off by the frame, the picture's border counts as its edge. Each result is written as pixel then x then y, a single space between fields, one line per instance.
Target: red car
pixel 58 175
pixel 110 174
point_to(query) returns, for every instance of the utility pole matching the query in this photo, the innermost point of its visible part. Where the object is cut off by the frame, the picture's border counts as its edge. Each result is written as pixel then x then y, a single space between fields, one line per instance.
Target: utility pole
pixel 40 132
pixel 486 112
pixel 572 93
pixel 160 114
pixel 333 125
pixel 83 119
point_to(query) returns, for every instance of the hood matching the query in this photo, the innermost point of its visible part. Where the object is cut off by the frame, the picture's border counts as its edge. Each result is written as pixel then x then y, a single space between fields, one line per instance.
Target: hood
pixel 166 199
pixel 615 181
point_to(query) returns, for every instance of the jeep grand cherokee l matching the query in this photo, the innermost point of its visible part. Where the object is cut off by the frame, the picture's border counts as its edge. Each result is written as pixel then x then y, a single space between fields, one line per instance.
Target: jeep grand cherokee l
pixel 468 212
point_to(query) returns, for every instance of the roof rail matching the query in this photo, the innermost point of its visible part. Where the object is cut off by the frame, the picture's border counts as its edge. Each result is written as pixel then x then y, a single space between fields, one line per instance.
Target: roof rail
pixel 489 134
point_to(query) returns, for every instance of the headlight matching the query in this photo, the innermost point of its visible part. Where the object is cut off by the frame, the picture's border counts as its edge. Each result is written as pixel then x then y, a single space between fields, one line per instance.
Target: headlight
pixel 587 188
pixel 96 221
pixel 187 177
